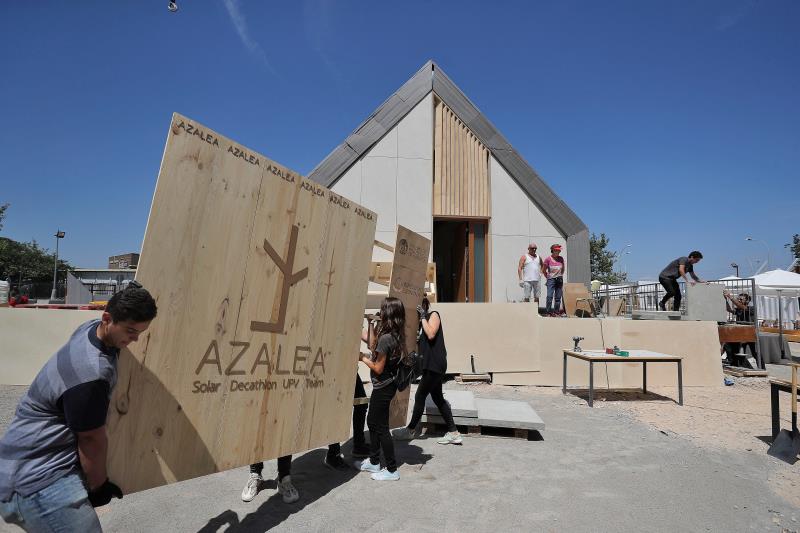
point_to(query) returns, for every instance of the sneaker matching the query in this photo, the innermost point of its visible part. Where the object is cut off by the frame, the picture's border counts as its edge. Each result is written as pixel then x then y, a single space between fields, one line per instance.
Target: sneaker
pixel 385 475
pixel 335 462
pixel 360 451
pixel 404 433
pixel 451 437
pixel 661 306
pixel 367 466
pixel 287 490
pixel 251 489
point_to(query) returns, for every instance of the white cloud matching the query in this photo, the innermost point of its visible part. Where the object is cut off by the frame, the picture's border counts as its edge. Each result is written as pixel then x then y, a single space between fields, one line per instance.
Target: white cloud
pixel 240 23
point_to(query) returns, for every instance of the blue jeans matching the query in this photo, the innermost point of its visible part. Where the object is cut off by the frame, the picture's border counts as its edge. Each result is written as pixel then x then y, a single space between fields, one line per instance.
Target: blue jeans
pixel 555 287
pixel 63 506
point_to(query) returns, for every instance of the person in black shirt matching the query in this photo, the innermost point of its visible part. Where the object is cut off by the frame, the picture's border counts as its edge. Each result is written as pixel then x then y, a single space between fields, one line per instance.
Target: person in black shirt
pixel 742 309
pixel 383 367
pixel 434 368
pixel 669 278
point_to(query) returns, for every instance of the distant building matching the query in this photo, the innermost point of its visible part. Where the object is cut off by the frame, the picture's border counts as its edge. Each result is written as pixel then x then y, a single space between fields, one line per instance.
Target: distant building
pixel 85 285
pixel 123 261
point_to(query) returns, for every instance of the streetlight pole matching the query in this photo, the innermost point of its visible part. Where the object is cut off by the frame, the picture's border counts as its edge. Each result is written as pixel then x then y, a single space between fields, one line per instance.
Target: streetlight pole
pixel 59 235
pixel 763 265
pixel 736 268
pixel 621 254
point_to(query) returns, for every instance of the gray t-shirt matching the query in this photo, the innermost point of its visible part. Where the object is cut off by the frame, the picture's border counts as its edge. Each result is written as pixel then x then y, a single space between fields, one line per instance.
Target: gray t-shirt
pixel 40 445
pixel 387 345
pixel 672 270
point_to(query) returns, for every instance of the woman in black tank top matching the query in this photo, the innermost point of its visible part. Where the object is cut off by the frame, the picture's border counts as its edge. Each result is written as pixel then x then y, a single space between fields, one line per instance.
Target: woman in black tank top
pixel 434 368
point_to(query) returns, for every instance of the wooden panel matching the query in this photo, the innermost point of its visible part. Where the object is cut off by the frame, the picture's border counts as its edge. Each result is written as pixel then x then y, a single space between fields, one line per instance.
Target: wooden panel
pixel 409 271
pixel 737 334
pixel 252 355
pixel 461 172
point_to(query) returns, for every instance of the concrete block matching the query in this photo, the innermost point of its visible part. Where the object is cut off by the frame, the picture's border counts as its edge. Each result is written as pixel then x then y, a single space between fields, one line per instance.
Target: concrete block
pixel 462 403
pixel 386 147
pixel 415 131
pixel 414 194
pixel 705 302
pixel 499 414
pixel 656 315
pixel 508 414
pixel 379 190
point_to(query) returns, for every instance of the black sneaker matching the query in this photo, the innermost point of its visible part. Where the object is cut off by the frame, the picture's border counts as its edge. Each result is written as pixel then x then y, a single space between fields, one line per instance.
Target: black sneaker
pixel 661 306
pixel 335 462
pixel 360 451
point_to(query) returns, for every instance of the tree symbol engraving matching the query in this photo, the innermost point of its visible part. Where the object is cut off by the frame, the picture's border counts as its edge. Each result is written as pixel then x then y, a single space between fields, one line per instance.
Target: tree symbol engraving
pixel 289 279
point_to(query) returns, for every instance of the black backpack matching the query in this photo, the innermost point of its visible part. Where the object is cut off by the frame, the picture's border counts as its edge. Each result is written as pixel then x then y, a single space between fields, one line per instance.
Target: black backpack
pixel 407 370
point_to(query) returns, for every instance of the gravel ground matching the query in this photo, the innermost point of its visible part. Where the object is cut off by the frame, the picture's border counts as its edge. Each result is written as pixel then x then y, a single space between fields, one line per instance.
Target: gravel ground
pixel 624 465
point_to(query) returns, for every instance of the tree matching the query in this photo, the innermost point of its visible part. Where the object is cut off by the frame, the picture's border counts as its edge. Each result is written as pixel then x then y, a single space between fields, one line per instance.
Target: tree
pixel 3 208
pixel 793 246
pixel 602 260
pixel 27 261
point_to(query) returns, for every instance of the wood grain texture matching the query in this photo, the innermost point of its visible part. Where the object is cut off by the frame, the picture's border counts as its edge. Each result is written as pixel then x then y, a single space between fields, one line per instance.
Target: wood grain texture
pixel 461 172
pixel 409 271
pixel 259 276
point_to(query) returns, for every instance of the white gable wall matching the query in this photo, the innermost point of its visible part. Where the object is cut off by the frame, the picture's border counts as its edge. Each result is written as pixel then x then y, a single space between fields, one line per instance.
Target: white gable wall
pixel 394 178
pixel 516 221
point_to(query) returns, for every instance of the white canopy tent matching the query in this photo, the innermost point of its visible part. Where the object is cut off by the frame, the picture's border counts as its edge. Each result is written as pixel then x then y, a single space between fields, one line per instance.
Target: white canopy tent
pixel 778 291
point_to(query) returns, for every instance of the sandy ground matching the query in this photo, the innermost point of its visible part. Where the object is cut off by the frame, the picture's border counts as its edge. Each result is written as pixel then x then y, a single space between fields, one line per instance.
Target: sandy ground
pixel 631 463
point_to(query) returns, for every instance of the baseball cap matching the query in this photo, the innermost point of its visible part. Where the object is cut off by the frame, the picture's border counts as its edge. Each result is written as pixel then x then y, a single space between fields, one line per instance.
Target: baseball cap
pixel 555 247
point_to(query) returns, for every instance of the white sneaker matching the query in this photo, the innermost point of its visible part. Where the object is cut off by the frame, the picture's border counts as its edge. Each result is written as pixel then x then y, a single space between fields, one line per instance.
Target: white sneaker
pixel 404 433
pixel 451 437
pixel 367 466
pixel 385 475
pixel 251 489
pixel 287 490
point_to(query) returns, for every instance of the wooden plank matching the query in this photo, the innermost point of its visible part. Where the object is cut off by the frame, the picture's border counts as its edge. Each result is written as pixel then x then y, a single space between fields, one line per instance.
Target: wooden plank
pixel 251 357
pixel 385 246
pixel 437 158
pixel 737 334
pixel 744 372
pixel 408 281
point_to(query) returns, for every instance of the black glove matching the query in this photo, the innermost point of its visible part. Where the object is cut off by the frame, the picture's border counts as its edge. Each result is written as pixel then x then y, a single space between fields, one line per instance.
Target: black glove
pixel 421 312
pixel 103 494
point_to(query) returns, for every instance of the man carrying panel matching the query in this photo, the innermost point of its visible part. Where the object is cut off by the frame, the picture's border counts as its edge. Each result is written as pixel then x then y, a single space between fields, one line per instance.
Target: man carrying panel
pixel 668 278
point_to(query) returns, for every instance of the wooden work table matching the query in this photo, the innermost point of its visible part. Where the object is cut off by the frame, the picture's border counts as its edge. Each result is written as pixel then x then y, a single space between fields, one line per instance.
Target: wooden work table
pixel 635 356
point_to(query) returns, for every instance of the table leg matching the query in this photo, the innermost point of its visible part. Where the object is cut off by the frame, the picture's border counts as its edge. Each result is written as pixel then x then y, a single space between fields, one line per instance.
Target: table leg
pixel 680 383
pixel 776 410
pixel 564 386
pixel 591 384
pixel 644 377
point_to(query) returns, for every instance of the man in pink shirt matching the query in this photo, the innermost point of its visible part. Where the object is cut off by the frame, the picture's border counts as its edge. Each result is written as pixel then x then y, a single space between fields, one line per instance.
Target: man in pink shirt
pixel 553 268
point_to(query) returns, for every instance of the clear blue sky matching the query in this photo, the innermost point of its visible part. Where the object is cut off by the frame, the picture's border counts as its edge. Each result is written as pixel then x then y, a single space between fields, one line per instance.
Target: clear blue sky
pixel 671 126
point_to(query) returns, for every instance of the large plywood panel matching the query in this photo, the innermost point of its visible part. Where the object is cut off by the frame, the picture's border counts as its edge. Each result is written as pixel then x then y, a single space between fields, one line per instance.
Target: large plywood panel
pixel 409 270
pixel 29 337
pixel 501 336
pixel 256 272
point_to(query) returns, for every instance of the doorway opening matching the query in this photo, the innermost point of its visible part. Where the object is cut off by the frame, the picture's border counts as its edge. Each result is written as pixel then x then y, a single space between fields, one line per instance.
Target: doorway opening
pixel 460 254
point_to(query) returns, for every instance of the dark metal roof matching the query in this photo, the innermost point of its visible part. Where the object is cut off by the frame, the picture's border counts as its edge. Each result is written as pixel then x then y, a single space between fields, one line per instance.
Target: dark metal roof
pixel 431 78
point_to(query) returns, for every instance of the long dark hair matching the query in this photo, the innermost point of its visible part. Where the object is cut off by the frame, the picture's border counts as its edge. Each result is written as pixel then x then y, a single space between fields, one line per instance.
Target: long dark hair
pixel 393 322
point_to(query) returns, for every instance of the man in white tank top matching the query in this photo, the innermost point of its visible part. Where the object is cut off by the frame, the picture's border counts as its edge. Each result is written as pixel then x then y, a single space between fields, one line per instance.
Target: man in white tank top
pixel 529 272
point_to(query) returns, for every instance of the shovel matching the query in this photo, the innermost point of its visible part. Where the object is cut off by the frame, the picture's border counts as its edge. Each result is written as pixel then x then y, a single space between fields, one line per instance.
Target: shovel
pixel 786 445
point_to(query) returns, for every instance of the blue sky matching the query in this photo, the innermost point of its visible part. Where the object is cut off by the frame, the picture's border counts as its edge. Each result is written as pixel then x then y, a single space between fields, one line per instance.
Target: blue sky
pixel 671 126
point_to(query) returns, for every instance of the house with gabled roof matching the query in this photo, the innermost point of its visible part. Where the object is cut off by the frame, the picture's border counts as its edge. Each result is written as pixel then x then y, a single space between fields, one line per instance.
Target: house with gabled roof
pixel 429 160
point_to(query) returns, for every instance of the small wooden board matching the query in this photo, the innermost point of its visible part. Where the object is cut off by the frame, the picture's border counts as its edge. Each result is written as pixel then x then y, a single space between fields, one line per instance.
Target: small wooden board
pixel 409 270
pixel 743 372
pixel 473 378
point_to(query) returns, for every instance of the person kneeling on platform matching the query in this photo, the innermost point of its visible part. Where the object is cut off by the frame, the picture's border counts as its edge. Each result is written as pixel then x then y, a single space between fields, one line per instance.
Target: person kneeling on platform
pixel 434 368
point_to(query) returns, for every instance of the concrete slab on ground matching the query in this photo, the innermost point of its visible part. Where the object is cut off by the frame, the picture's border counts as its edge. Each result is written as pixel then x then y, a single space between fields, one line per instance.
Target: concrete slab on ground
pixel 656 315
pixel 462 404
pixel 497 413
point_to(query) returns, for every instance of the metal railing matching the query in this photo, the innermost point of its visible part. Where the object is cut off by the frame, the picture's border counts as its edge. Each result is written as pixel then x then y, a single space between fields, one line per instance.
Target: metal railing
pixel 646 297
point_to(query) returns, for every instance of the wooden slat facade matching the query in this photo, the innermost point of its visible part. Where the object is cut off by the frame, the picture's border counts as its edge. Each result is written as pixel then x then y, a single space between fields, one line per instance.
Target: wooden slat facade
pixel 461 168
